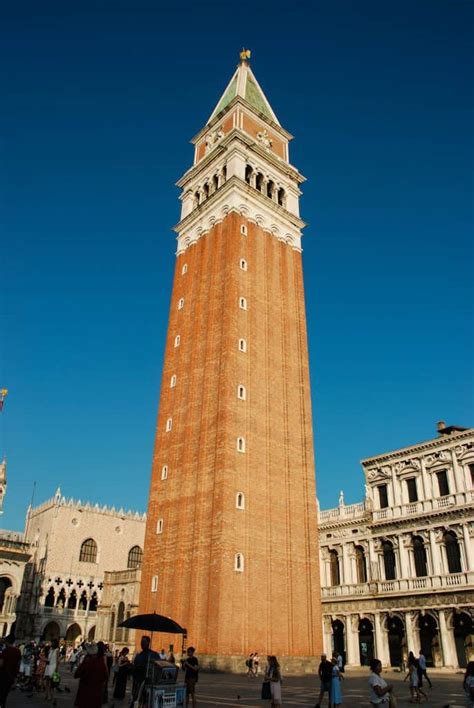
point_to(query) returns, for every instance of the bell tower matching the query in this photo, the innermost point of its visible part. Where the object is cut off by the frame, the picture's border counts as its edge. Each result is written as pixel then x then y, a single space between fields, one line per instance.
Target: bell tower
pixel 231 548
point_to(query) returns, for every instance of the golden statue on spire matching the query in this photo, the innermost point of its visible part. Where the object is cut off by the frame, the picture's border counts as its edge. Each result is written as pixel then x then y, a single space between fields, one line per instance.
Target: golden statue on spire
pixel 245 54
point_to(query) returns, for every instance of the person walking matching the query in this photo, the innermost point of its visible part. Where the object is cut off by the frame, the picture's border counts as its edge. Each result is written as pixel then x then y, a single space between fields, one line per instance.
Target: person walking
pixel 415 690
pixel 468 685
pixel 273 675
pixel 380 690
pixel 51 668
pixel 140 665
pixel 10 659
pixel 336 679
pixel 256 664
pixel 191 667
pixel 325 678
pixel 422 669
pixel 249 665
pixel 92 675
pixel 121 673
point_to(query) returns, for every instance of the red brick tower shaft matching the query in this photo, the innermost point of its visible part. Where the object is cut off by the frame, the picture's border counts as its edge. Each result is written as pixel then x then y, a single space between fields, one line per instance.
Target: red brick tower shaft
pixel 231 548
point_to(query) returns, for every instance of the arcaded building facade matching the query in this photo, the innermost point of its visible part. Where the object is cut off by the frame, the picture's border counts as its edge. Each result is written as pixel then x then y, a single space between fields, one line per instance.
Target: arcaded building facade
pixel 73 545
pixel 231 547
pixel 398 568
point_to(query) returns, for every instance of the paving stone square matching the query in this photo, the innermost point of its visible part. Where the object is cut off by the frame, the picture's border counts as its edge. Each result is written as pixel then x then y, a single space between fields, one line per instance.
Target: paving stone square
pixel 237 690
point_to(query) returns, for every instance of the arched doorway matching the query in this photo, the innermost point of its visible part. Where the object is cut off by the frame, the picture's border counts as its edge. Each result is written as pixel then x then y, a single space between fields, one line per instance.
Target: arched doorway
pixel 73 632
pixel 51 631
pixel 338 639
pixel 120 619
pixel 396 633
pixel 463 629
pixel 91 634
pixel 5 584
pixel 366 641
pixel 428 637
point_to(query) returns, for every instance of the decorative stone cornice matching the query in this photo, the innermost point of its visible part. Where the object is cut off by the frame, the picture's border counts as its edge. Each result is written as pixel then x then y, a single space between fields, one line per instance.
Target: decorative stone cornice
pixel 444 442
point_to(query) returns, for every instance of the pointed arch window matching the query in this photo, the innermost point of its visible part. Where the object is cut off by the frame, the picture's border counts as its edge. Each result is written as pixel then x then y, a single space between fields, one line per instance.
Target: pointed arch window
pixel 135 556
pixel 453 552
pixel 243 264
pixel 169 425
pixel 173 381
pixel 242 345
pixel 177 340
pixel 243 230
pixel 389 560
pixel 419 554
pixel 239 562
pixel 159 526
pixel 240 500
pixel 49 599
pixel 334 567
pixel 242 303
pixel 88 552
pixel 241 392
pixel 184 269
pixel 180 303
pixel 240 444
pixel 164 472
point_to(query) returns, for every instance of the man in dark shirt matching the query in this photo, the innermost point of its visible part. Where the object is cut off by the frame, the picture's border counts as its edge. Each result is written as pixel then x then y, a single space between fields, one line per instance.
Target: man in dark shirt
pixel 325 676
pixel 140 665
pixel 191 667
pixel 9 665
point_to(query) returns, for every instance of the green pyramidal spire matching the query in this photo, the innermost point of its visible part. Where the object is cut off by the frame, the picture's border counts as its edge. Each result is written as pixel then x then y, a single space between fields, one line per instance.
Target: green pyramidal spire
pixel 244 84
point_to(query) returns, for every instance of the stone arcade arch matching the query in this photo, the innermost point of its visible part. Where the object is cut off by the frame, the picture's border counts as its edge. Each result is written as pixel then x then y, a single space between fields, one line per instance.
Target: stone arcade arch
pixel 366 641
pixel 5 585
pixel 463 630
pixel 338 638
pixel 429 638
pixel 50 631
pixel 396 639
pixel 73 633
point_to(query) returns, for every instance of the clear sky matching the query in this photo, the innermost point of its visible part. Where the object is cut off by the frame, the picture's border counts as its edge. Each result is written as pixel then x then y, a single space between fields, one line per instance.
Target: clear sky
pixel 99 101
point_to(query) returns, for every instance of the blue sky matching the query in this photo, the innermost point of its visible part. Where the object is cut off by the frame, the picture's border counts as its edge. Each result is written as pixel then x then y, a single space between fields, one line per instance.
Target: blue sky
pixel 99 101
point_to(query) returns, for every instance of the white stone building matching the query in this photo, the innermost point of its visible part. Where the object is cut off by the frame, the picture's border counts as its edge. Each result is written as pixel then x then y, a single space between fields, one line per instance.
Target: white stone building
pixel 73 545
pixel 398 568
pixel 120 598
pixel 14 556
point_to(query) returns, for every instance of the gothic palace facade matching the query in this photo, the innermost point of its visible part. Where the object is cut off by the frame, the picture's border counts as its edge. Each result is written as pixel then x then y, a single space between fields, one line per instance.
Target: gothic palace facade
pixel 398 568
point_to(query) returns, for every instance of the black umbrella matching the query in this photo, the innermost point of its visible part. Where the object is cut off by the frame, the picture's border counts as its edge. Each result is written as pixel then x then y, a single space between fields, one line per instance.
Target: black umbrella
pixel 153 623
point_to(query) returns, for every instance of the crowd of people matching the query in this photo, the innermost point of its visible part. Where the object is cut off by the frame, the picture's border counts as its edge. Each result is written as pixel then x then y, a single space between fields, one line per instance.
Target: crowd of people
pixel 34 668
pixel 103 675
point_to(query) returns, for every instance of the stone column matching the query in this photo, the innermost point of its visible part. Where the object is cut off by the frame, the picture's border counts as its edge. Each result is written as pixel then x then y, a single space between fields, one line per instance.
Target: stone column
pixel 352 640
pixel 412 643
pixel 458 473
pixel 426 482
pixel 346 565
pixel 435 554
pixel 381 644
pixel 446 638
pixel 404 569
pixel 327 635
pixel 396 489
pixel 468 551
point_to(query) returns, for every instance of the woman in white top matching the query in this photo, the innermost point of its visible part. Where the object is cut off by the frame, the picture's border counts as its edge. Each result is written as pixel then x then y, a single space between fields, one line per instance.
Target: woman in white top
pixel 51 668
pixel 379 689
